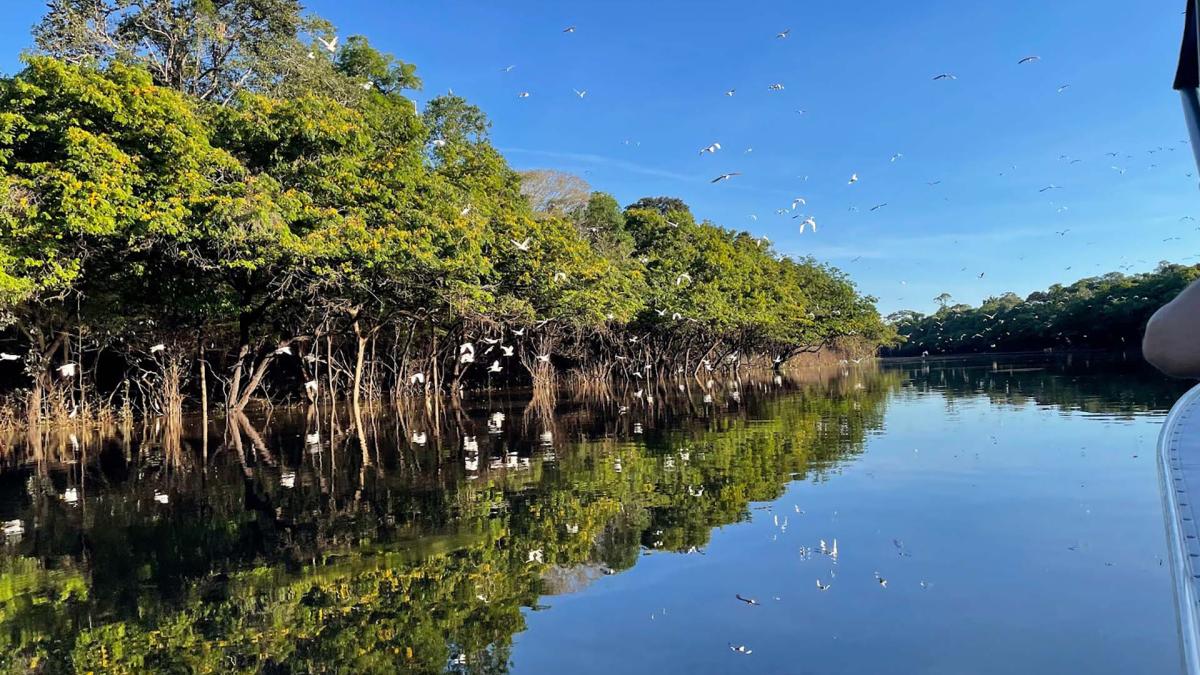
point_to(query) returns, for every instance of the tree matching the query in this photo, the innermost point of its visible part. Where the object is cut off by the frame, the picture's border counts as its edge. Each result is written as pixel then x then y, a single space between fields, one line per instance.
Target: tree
pixel 943 299
pixel 361 62
pixel 554 192
pixel 663 205
pixel 207 48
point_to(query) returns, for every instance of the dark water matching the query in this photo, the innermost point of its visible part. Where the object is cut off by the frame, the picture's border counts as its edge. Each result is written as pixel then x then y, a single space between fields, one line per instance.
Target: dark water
pixel 1011 506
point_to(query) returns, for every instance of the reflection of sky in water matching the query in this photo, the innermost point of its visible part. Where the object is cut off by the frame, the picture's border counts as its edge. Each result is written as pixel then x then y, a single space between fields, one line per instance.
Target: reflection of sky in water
pixel 1012 509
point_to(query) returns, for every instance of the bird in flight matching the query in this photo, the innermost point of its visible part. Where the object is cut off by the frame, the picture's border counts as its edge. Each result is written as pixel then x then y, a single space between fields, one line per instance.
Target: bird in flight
pixel 740 649
pixel 507 69
pixel 329 45
pixel 808 221
pixel 1063 88
pixel 878 206
pixel 710 149
pixel 933 183
pixel 782 35
pixel 945 76
pixel 775 87
pixel 580 93
pixel 1051 186
pixel 569 29
pixel 1029 59
pixel 523 94
pixel 853 179
pixel 898 155
pixel 725 176
pixel 731 92
pixel 798 201
pixel 522 245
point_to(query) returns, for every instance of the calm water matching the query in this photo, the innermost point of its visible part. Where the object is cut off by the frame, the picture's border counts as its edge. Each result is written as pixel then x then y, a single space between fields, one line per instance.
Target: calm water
pixel 1011 507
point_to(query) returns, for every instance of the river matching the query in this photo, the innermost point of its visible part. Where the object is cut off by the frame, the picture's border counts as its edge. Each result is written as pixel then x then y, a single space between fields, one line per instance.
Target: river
pixel 975 515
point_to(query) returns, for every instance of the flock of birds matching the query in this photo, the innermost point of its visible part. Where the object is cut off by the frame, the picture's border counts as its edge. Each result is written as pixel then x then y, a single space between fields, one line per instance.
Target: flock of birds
pixel 807 221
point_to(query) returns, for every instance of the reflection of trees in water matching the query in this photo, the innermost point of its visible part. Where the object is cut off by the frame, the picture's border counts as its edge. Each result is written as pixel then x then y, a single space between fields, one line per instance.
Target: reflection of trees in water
pixel 1112 384
pixel 302 544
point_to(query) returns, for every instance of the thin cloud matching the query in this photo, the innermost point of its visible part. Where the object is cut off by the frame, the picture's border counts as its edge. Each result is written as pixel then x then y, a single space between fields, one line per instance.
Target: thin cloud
pixel 600 160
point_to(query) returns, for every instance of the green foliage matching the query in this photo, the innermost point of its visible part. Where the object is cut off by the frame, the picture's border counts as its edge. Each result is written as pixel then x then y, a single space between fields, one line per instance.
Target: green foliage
pixel 147 202
pixel 1106 312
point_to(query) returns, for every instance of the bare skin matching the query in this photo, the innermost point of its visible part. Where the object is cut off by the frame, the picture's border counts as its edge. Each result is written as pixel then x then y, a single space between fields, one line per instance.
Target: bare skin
pixel 1172 341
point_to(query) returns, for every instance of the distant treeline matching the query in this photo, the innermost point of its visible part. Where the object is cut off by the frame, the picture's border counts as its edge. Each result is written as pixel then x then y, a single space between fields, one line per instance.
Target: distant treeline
pixel 1106 312
pixel 220 201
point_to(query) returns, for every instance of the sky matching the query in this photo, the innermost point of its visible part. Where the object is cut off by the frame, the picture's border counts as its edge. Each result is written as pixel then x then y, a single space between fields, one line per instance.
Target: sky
pixel 862 73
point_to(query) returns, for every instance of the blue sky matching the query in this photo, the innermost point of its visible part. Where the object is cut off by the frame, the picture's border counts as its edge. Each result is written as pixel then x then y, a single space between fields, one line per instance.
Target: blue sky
pixel 656 73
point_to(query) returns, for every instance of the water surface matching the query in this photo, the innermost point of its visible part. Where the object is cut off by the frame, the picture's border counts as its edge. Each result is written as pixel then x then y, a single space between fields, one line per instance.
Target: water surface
pixel 1010 505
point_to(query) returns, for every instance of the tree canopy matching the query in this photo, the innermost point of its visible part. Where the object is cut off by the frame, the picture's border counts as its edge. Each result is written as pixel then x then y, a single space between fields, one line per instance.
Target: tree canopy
pixel 1105 312
pixel 223 183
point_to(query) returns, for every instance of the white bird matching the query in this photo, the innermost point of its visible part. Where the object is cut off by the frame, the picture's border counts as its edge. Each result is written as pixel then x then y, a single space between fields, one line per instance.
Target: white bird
pixel 559 276
pixel 544 358
pixel 508 351
pixel 67 370
pixel 569 29
pixel 492 341
pixel 419 437
pixel 368 85
pixel 5 356
pixel 811 222
pixel 284 350
pixel 580 93
pixel 821 586
pixel 775 87
pixel 71 495
pixel 783 34
pixel 517 331
pixel 853 179
pixel 740 649
pixel 725 176
pixel 523 94
pixel 507 69
pixel 682 278
pixel 710 149
pixel 13 528
pixel 417 378
pixel 495 367
pixel 329 45
pixel 162 497
pixel 522 245
pixel 439 142
pixel 157 348
pixel 945 76
pixel 311 385
pixel 731 92
pixel 1063 88
pixel 465 210
pixel 1029 59
pixel 898 155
